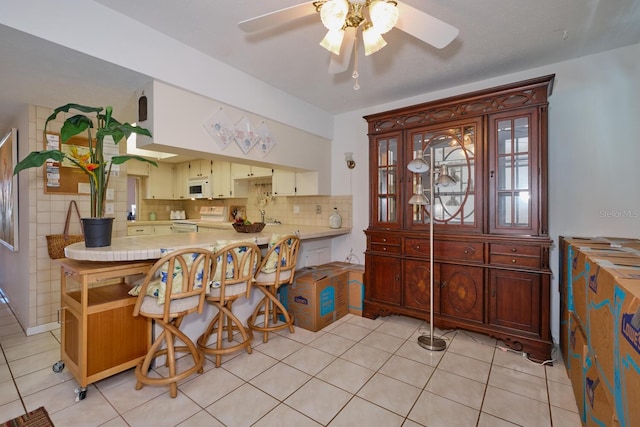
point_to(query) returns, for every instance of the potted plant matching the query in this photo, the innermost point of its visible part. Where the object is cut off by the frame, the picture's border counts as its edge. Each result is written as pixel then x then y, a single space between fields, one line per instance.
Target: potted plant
pixel 90 160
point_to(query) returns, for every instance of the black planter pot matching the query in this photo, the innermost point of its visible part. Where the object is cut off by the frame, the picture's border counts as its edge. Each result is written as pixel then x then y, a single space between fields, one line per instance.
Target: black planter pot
pixel 97 232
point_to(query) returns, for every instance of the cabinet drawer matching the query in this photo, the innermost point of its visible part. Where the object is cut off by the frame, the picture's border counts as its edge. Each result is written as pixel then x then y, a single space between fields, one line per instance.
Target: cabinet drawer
pixel 384 239
pixel 465 251
pixel 515 249
pixel 140 230
pixel 516 260
pixel 444 250
pixel 416 247
pixel 390 249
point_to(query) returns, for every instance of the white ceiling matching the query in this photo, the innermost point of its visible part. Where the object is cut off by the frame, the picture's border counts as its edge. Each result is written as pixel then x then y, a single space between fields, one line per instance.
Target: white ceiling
pixel 496 37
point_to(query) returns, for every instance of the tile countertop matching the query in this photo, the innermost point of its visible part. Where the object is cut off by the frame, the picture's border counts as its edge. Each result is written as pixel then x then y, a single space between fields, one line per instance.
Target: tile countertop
pixel 135 248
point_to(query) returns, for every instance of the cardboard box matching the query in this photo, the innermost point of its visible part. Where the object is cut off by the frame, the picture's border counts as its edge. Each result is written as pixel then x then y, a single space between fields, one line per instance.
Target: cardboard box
pixel 599 402
pixel 317 297
pixel 355 284
pixel 627 351
pixel 576 363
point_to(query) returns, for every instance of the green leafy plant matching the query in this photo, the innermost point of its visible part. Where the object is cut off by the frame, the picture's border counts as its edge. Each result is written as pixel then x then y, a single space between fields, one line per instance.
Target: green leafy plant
pixel 91 161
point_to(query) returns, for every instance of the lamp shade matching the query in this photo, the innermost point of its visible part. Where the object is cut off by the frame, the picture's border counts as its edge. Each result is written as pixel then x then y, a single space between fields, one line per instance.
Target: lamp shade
pixel 419 198
pixel 333 41
pixel 384 16
pixel 334 13
pixel 445 180
pixel 372 40
pixel 418 165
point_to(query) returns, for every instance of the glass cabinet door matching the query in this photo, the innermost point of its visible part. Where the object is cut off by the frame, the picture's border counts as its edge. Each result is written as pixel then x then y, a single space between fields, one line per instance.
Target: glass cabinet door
pixel 513 181
pixel 384 191
pixel 455 194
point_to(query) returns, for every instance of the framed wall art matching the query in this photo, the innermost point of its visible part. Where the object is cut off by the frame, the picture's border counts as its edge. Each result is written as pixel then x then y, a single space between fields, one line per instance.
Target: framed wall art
pixel 9 190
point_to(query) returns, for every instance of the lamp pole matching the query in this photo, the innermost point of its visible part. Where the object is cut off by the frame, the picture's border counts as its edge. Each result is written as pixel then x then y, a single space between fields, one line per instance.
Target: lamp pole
pixel 431 343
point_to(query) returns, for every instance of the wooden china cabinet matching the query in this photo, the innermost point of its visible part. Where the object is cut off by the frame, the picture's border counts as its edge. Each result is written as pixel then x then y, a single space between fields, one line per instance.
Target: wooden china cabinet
pixel 491 244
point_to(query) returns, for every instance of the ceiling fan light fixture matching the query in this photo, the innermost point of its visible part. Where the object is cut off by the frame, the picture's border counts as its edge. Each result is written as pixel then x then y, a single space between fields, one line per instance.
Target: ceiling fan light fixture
pixel 372 40
pixel 333 14
pixel 384 15
pixel 333 41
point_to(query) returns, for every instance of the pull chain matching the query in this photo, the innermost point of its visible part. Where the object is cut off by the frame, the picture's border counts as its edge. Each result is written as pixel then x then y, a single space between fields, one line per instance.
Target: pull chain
pixel 355 74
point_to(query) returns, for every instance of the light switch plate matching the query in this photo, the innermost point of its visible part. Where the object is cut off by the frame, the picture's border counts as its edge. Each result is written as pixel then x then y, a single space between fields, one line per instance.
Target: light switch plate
pixel 110 194
pixel 296 209
pixel 108 208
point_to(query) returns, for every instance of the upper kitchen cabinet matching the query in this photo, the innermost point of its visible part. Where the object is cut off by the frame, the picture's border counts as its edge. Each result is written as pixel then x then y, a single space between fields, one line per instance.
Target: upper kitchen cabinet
pixel 241 171
pixel 200 168
pixel 283 183
pixel 289 183
pixel 222 183
pixel 137 168
pixel 181 190
pixel 160 183
pixel 483 188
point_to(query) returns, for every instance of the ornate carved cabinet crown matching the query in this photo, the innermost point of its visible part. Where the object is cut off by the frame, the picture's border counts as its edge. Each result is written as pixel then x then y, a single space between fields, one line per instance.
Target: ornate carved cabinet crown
pixel 491 248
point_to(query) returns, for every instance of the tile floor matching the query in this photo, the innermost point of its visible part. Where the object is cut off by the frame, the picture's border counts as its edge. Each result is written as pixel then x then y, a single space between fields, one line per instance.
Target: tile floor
pixel 356 372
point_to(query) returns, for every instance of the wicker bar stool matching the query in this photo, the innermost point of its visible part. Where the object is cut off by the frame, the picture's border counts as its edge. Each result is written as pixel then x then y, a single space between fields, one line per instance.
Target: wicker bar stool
pixel 276 269
pixel 168 299
pixel 235 266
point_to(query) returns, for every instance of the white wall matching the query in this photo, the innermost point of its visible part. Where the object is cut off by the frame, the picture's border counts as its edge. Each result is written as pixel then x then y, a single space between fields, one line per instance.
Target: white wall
pixel 594 150
pixel 15 267
pixel 159 57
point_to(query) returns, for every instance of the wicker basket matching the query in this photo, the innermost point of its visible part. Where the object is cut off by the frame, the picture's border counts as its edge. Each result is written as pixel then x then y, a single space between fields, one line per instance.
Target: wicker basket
pixel 256 227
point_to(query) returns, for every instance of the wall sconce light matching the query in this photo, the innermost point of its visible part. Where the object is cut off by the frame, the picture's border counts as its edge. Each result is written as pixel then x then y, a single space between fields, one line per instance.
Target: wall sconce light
pixel 348 157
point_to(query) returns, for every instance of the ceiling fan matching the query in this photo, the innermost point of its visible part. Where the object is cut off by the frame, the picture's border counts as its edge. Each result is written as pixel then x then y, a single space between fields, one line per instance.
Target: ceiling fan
pixel 343 19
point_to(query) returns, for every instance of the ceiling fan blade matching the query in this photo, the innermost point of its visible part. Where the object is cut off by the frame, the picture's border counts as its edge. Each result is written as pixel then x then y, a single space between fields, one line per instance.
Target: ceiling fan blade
pixel 279 17
pixel 425 27
pixel 340 63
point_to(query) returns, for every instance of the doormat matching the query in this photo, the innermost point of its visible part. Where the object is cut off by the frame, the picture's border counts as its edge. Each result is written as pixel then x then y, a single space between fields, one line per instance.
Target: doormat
pixel 37 418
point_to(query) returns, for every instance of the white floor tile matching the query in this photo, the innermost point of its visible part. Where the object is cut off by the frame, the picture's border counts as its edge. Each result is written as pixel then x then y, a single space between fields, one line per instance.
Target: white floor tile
pixel 356 371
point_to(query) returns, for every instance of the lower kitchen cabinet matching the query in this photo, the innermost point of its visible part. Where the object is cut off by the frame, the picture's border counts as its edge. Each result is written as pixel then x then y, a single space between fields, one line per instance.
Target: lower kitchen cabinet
pixel 386 288
pixel 474 289
pixel 416 286
pixel 461 292
pixel 507 291
pixel 100 336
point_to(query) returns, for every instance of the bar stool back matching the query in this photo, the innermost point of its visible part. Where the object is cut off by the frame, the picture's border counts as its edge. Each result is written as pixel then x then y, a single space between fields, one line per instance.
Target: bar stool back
pixel 180 290
pixel 235 266
pixel 276 269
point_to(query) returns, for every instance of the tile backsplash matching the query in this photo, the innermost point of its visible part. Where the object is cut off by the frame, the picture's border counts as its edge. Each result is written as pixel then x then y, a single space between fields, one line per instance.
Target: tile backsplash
pixel 278 208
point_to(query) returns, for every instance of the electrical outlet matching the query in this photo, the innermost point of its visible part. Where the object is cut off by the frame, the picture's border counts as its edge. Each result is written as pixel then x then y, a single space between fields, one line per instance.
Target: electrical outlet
pixel 296 209
pixel 110 194
pixel 108 208
pixel 318 209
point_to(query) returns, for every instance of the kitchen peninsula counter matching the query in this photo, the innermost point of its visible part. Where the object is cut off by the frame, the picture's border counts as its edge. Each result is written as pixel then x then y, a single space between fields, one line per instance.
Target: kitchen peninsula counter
pixel 137 248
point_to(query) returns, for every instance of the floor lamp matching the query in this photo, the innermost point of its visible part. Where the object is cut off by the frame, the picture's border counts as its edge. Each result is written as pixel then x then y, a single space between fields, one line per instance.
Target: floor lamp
pixel 418 165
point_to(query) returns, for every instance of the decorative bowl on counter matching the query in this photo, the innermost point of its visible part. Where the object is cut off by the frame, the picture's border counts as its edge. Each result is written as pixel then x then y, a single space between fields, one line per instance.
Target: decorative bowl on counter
pixel 256 227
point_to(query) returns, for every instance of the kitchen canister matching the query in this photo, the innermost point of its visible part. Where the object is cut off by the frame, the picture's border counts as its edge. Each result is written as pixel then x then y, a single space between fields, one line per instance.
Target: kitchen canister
pixel 152 216
pixel 335 220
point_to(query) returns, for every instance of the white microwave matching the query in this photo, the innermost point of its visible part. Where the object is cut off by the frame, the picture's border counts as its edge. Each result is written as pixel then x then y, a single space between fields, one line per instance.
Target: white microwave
pixel 200 187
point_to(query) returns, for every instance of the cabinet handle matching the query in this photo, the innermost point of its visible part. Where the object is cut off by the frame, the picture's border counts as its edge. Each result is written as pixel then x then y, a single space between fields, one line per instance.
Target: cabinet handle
pixel 493 292
pixel 384 239
pixel 58 315
pixel 384 248
pixel 466 251
pixel 418 247
pixel 513 261
pixel 397 277
pixel 491 174
pixel 514 250
pixel 443 284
